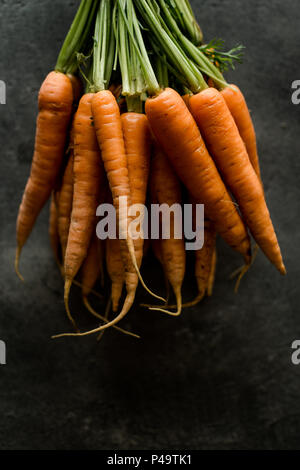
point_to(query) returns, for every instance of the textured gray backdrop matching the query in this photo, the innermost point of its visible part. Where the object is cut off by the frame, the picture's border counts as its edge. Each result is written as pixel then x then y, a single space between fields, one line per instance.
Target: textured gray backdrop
pixel 220 376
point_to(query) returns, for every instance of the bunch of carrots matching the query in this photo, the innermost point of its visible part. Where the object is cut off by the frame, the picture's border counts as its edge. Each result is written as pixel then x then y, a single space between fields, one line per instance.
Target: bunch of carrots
pixel 138 106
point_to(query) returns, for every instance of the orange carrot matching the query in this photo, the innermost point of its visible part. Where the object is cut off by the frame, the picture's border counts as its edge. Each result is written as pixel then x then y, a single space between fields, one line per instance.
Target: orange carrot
pixel 115 269
pixel 229 152
pixel 212 274
pixel 110 137
pixel 55 109
pixel 238 107
pixel 137 141
pixel 88 174
pixel 109 132
pixel 204 262
pixel 65 201
pixel 114 148
pixel 166 189
pixel 179 136
pixel 137 147
pixel 91 267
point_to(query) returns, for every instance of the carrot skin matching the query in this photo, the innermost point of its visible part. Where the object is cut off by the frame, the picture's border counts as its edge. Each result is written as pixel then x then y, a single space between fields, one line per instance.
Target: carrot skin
pixel 109 133
pixel 229 152
pixel 237 105
pixel 65 201
pixel 55 109
pixel 179 136
pixel 115 269
pixel 108 126
pixel 91 267
pixel 88 174
pixel 204 258
pixel 166 189
pixel 212 274
pixel 137 140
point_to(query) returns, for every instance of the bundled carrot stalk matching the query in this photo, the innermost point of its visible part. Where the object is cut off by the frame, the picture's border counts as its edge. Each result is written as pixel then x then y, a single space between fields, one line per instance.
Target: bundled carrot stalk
pixel 155 96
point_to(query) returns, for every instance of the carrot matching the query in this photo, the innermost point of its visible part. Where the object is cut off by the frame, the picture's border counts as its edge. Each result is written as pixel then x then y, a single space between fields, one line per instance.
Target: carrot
pixel 105 319
pixel 212 274
pixel 229 152
pixel 115 269
pixel 179 136
pixel 114 266
pixel 137 147
pixel 88 175
pixel 205 265
pixel 114 148
pixel 110 137
pixel 55 108
pixel 137 141
pixel 109 132
pixel 166 189
pixel 204 261
pixel 238 107
pixel 65 201
pixel 91 267
pixel 53 231
pixel 90 271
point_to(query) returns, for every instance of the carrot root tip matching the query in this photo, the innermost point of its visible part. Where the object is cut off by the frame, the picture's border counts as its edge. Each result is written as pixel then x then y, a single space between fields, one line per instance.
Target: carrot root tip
pixel 68 284
pixel 17 260
pixel 133 259
pixel 244 270
pixel 168 312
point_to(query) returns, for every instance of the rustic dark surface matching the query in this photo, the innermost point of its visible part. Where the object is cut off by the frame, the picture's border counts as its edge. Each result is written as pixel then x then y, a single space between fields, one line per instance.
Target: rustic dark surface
pixel 220 376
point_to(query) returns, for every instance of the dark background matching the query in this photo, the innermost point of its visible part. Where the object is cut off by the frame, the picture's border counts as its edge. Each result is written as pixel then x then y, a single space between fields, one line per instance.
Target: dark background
pixel 218 377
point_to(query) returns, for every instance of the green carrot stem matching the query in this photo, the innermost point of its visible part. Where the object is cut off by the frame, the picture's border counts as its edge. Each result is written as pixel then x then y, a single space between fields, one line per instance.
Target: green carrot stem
pixel 162 71
pixel 193 52
pixel 139 53
pixel 123 52
pixel 102 46
pixel 76 37
pixel 110 56
pixel 191 27
pixel 173 71
pixel 175 55
pixel 134 104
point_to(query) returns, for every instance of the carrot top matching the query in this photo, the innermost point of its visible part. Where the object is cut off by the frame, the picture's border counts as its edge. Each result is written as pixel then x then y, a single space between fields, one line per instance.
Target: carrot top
pixel 77 37
pixel 104 48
